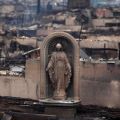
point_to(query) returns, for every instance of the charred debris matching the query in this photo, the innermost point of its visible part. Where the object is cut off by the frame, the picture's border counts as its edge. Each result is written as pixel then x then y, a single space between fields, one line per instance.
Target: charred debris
pixel 14 51
pixel 97 31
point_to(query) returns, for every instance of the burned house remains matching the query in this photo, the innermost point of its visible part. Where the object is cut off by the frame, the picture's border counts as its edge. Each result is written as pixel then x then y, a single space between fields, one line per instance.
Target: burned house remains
pixel 59 59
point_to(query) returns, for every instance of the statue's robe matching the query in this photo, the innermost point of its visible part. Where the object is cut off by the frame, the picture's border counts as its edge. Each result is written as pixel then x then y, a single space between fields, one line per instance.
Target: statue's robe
pixel 60 72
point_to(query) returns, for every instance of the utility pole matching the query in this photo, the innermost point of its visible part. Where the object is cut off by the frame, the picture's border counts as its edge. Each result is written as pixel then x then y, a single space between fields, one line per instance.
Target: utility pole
pixel 38 6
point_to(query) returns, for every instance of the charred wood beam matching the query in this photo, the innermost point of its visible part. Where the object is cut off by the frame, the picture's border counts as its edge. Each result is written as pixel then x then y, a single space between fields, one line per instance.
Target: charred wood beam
pixel 29 116
pixel 98 111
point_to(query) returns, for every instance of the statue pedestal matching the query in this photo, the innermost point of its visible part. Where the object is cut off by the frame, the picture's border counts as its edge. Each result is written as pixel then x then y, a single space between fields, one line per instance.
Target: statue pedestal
pixel 62 109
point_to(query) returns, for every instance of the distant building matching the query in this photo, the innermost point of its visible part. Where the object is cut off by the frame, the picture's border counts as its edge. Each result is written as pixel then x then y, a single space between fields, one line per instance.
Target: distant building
pixel 78 3
pixel 53 5
pixel 7 8
pixel 111 3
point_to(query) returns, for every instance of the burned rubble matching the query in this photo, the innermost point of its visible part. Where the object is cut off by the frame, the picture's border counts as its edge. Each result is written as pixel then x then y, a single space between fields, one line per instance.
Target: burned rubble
pixel 14 53
pixel 24 33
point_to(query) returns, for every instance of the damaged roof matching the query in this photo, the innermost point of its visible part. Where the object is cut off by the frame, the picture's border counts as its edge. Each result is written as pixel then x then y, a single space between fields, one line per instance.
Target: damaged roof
pixel 109 42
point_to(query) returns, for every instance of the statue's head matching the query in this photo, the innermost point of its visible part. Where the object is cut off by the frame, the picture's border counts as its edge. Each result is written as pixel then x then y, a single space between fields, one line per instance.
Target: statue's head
pixel 58 46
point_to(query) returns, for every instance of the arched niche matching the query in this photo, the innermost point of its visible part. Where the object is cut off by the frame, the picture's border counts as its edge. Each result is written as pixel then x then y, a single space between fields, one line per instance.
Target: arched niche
pixel 68 43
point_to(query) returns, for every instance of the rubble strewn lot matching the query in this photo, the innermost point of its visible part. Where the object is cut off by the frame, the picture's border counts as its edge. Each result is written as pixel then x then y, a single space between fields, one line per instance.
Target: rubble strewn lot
pixel 24 26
